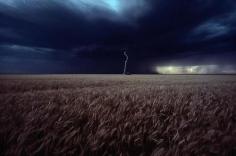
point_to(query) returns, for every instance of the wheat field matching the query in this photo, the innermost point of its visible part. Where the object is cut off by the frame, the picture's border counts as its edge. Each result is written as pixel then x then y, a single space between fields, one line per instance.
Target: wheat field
pixel 159 115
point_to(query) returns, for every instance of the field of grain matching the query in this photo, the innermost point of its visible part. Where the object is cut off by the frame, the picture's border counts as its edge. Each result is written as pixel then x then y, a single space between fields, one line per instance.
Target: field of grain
pixel 175 115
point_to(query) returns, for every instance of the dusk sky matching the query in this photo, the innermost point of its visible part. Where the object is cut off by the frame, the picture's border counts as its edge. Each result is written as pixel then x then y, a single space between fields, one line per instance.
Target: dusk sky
pixel 89 36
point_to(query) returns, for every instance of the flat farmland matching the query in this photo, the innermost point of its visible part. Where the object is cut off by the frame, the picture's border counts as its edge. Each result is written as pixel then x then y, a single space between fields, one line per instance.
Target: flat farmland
pixel 118 115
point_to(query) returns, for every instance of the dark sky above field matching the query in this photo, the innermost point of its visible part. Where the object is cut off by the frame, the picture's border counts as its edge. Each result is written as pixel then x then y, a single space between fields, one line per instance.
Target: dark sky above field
pixel 89 36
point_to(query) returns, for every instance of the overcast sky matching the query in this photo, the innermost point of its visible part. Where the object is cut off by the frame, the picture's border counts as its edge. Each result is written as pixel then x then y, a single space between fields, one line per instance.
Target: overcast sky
pixel 89 36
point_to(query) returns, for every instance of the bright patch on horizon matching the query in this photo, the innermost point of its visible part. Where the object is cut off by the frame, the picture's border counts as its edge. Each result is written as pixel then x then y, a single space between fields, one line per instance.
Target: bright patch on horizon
pixel 200 69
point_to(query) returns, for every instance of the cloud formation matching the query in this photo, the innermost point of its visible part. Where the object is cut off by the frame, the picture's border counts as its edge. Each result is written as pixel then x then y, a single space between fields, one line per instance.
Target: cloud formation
pixel 115 10
pixel 154 32
pixel 111 9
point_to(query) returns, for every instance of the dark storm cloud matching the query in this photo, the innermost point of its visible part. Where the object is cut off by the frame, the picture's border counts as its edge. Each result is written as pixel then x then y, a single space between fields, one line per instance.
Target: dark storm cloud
pixel 98 30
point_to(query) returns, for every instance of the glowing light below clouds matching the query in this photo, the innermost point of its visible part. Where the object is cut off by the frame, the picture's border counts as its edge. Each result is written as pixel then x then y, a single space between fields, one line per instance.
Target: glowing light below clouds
pixel 200 69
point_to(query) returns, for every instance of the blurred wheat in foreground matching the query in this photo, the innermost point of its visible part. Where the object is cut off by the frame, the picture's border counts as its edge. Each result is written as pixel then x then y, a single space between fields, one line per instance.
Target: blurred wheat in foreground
pixel 118 115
